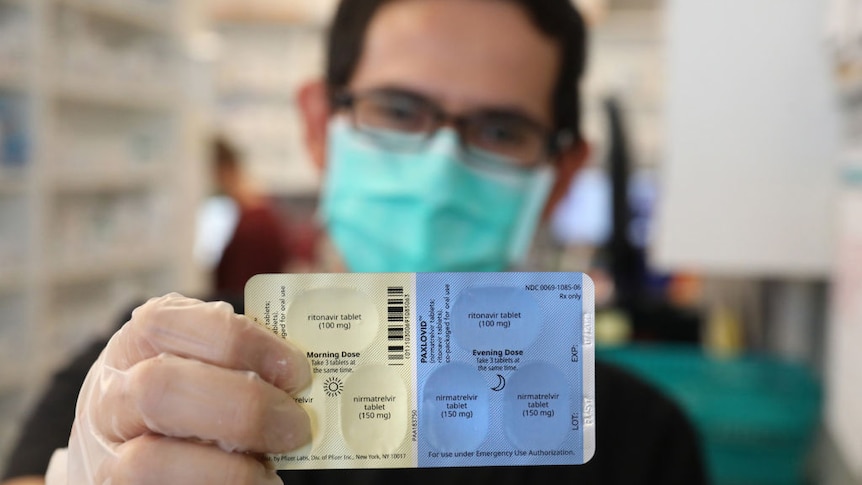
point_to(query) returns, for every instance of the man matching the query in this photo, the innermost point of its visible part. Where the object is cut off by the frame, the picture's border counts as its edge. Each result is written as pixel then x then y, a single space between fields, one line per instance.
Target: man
pixel 442 129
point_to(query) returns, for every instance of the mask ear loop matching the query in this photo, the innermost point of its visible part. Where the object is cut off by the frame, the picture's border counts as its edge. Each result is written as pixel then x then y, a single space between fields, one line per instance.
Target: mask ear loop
pixel 528 220
pixel 539 187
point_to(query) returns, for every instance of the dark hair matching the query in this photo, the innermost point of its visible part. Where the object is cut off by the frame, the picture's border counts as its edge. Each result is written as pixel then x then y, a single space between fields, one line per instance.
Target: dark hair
pixel 224 156
pixel 557 19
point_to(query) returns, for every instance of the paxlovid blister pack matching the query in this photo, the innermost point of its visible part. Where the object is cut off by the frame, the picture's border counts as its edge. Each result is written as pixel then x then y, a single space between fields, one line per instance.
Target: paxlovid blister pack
pixel 438 369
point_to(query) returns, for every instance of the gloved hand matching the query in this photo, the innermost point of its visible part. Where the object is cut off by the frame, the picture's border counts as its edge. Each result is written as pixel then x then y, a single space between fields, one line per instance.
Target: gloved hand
pixel 187 393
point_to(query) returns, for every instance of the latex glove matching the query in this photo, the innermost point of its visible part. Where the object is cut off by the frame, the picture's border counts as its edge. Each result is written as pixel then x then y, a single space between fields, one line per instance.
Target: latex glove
pixel 186 393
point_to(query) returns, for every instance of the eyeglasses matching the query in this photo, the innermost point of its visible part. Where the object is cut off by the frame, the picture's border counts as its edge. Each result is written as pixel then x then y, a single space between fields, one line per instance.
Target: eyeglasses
pixel 400 120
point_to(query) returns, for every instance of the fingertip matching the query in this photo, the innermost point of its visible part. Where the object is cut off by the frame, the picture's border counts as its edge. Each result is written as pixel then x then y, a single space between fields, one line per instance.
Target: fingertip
pixel 291 369
pixel 225 307
pixel 280 362
pixel 289 429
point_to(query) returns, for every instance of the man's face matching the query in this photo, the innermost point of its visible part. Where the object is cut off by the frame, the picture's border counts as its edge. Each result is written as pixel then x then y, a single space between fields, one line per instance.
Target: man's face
pixel 481 62
pixel 465 55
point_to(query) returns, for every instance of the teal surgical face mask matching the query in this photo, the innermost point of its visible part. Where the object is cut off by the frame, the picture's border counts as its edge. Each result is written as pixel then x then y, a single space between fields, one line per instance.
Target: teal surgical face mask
pixel 428 210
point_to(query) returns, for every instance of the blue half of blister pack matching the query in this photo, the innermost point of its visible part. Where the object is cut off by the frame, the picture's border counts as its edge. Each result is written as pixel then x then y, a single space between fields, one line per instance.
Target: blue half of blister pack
pixel 438 369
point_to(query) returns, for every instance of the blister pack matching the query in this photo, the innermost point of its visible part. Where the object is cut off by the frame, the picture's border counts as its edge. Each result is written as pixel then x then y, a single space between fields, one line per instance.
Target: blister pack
pixel 438 369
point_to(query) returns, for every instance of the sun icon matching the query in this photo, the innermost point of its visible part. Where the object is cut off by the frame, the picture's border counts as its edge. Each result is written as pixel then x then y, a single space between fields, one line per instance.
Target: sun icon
pixel 333 386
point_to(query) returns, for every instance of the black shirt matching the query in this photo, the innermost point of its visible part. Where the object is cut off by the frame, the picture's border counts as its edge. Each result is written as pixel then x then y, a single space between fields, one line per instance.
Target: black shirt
pixel 641 438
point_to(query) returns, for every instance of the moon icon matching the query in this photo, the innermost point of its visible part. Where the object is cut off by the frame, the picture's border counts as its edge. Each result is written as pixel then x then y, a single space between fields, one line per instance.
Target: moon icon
pixel 501 383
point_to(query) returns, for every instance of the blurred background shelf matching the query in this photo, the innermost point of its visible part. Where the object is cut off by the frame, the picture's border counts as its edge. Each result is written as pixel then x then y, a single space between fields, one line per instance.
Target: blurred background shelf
pixel 267 15
pixel 99 160
pixel 12 185
pixel 255 97
pixel 271 12
pixel 108 181
pixel 14 280
pixel 134 13
pixel 17 3
pixel 13 78
pixel 116 95
pixel 108 266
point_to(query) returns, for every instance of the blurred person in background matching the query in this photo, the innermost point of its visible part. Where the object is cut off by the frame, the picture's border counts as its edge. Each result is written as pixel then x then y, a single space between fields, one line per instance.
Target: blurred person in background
pixel 259 242
pixel 445 129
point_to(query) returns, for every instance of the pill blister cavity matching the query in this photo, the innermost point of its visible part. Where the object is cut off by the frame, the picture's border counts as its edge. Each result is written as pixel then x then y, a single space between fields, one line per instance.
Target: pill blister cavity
pixel 344 319
pixel 374 410
pixel 537 406
pixel 495 317
pixel 455 405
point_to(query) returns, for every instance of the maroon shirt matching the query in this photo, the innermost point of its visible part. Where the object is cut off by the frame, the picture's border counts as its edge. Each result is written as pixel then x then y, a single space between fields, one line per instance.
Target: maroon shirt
pixel 258 245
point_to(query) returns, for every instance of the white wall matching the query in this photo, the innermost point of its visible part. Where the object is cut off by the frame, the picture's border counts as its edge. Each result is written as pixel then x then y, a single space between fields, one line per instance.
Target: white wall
pixel 752 139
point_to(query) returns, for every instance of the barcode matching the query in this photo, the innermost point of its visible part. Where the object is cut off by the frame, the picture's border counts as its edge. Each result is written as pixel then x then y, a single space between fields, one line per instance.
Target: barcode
pixel 395 324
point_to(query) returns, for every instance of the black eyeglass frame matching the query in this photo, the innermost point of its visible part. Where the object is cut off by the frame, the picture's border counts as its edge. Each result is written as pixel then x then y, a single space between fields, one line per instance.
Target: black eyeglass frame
pixel 556 140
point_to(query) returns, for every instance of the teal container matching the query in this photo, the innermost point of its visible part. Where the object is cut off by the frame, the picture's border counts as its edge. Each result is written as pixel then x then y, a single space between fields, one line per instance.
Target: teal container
pixel 757 416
